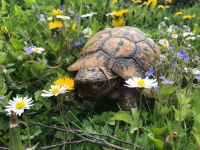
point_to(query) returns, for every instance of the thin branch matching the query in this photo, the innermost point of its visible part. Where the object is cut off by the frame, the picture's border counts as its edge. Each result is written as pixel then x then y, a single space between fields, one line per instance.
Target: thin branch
pixel 91 138
pixel 3 148
pixel 62 144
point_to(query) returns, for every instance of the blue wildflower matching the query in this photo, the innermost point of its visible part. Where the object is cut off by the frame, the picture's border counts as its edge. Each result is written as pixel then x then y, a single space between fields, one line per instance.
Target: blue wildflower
pixel 182 54
pixel 78 19
pixel 29 50
pixel 198 78
pixel 170 48
pixel 62 7
pixel 78 43
pixel 1 97
pixel 165 81
pixel 149 72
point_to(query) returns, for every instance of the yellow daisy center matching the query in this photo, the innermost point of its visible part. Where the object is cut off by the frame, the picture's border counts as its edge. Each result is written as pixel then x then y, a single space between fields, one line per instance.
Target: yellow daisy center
pixel 141 82
pixel 37 49
pixel 20 105
pixel 55 90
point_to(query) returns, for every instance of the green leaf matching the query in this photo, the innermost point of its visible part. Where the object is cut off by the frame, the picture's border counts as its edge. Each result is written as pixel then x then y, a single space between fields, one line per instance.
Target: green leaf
pixel 185 111
pixel 158 131
pixel 3 88
pixel 166 90
pixel 159 143
pixel 15 44
pixel 30 2
pixel 122 116
pixel 60 135
pixel 3 57
pixel 95 26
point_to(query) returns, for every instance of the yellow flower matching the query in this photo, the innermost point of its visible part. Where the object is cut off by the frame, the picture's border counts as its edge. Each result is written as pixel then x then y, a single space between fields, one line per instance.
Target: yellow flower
pixel 4 29
pixel 74 26
pixel 55 25
pixel 66 82
pixel 178 13
pixel 188 17
pixel 137 1
pixel 114 1
pixel 152 4
pixel 118 22
pixel 161 6
pixel 57 12
pixel 120 12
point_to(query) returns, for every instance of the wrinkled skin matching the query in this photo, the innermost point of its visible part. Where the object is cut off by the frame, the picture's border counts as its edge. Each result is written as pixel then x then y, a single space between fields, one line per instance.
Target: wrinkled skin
pixel 99 82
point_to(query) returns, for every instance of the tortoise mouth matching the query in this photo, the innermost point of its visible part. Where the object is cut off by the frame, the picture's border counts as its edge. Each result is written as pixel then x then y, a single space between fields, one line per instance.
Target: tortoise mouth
pixel 84 94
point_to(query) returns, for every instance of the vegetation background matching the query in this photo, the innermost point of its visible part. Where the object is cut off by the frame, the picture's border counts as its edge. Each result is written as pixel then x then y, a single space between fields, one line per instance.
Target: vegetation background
pixel 171 121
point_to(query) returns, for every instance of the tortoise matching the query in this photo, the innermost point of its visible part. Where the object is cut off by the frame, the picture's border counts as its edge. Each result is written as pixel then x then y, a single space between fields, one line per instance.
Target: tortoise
pixel 110 57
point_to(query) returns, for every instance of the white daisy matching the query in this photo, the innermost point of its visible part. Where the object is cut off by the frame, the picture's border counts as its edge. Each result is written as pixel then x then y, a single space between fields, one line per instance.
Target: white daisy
pixel 88 15
pixel 195 71
pixel 18 104
pixel 63 17
pixel 135 82
pixel 38 50
pixel 87 32
pixel 164 43
pixel 54 91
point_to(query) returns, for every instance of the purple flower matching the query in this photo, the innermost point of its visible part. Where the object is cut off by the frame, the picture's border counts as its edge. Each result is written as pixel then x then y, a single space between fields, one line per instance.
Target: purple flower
pixel 1 97
pixel 29 50
pixel 78 43
pixel 173 64
pixel 78 19
pixel 165 81
pixel 198 78
pixel 170 48
pixel 62 7
pixel 182 54
pixel 149 72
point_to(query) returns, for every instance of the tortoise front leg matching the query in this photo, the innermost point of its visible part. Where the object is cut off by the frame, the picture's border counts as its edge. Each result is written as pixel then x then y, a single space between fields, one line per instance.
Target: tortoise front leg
pixel 129 99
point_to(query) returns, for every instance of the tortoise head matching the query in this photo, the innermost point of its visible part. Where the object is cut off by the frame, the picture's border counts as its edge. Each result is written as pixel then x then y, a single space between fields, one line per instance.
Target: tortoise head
pixel 95 82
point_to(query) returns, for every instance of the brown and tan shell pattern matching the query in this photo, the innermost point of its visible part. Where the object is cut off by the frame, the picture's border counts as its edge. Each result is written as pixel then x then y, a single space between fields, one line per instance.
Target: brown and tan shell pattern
pixel 126 51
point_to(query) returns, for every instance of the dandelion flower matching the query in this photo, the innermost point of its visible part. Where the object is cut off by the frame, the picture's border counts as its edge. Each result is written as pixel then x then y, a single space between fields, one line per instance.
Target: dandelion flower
pixel 55 25
pixel 18 105
pixel 161 6
pixel 4 29
pixel 178 13
pixel 152 4
pixel 118 22
pixel 188 17
pixel 66 82
pixel 57 12
pixel 135 82
pixel 120 12
pixel 54 91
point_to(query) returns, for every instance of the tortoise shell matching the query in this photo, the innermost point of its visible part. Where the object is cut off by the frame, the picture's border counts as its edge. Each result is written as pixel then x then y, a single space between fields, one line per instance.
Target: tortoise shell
pixel 126 51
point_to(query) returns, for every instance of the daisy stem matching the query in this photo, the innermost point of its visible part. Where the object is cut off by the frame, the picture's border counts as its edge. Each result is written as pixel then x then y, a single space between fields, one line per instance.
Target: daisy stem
pixel 15 141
